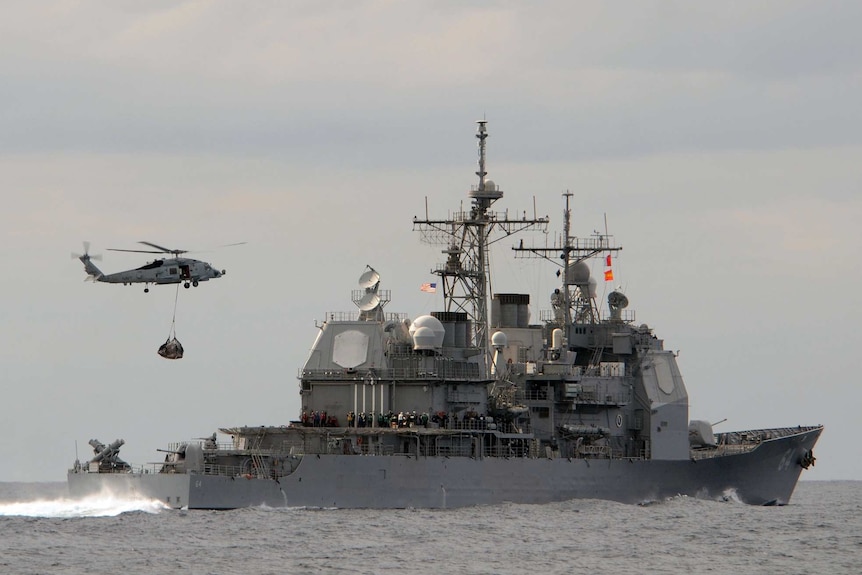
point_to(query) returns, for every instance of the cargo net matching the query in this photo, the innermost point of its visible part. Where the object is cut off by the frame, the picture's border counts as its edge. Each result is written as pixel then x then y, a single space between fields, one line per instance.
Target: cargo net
pixel 172 348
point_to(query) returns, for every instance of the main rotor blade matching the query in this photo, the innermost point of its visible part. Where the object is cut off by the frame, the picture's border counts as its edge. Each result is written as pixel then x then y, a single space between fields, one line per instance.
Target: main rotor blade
pixel 208 250
pixel 164 249
pixel 136 251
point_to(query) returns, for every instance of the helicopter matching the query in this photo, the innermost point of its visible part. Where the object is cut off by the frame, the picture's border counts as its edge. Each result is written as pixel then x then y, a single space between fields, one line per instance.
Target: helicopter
pixel 167 270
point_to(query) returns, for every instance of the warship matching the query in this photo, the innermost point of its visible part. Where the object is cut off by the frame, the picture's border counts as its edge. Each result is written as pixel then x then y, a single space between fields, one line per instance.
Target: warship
pixel 476 403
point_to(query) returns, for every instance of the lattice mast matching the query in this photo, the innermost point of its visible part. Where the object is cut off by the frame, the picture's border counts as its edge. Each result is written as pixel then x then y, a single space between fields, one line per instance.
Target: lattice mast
pixel 465 277
pixel 576 300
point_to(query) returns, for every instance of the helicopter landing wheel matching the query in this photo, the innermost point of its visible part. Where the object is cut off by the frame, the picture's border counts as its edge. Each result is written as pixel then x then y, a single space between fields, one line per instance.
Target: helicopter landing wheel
pixel 146 290
pixel 195 283
pixel 186 285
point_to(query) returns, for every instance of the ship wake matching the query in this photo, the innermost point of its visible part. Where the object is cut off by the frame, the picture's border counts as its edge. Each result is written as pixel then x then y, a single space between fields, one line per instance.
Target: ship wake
pixel 101 505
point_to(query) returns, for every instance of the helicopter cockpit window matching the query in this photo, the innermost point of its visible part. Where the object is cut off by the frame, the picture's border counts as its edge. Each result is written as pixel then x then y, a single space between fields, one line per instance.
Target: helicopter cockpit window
pixel 153 265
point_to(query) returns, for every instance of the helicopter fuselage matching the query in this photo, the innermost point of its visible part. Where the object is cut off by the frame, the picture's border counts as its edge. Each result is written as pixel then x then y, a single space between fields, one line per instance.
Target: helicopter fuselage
pixel 166 271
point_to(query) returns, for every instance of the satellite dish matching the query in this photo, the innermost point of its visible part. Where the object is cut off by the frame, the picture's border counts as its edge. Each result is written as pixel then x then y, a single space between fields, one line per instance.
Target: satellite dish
pixel 369 278
pixel 618 300
pixel 369 301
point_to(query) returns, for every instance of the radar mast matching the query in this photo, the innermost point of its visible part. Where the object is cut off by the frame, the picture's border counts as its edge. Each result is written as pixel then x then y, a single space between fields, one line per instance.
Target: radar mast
pixel 466 236
pixel 577 298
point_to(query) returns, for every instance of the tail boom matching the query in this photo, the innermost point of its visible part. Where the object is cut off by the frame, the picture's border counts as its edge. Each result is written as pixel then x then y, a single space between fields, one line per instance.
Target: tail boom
pixel 93 273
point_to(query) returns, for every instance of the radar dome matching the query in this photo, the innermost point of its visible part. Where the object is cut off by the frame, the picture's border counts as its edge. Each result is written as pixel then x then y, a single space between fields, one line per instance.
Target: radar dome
pixel 578 273
pixel 490 185
pixel 433 324
pixel 593 288
pixel 424 338
pixel 499 340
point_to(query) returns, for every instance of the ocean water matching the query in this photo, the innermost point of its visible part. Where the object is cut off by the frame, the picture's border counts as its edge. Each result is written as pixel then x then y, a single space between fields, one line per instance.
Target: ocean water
pixel 43 531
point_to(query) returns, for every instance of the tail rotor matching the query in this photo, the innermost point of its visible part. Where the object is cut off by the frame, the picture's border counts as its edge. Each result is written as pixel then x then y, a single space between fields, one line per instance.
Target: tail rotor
pixel 86 255
pixel 93 272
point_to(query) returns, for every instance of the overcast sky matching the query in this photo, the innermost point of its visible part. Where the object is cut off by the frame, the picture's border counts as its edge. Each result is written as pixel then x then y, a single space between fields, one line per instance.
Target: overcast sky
pixel 721 140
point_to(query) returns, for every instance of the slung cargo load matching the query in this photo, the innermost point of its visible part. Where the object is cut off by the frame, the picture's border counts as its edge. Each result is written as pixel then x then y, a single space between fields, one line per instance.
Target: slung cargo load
pixel 171 349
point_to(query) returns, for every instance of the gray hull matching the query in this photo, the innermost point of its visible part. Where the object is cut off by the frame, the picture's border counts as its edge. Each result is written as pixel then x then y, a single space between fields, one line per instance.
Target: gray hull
pixel 764 475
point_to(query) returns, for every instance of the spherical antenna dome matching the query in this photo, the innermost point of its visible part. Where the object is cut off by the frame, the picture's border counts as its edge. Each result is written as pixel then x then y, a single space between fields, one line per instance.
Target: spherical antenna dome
pixel 424 338
pixel 578 273
pixel 433 324
pixel 490 185
pixel 499 340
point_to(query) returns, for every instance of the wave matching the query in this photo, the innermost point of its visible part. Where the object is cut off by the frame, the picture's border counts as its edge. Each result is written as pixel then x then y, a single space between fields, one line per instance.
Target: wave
pixel 90 506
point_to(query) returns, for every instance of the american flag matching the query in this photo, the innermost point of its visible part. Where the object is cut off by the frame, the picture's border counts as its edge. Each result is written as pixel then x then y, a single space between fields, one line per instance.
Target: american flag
pixel 430 288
